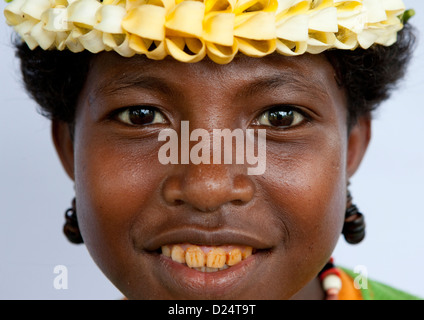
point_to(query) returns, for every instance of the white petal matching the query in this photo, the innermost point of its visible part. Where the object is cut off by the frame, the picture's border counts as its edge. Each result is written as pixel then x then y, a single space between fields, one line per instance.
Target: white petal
pixel 110 18
pixel 355 22
pixel 43 37
pixel 393 5
pixel 255 25
pixel 92 41
pixel 375 11
pixel 56 19
pixel 13 12
pixel 283 48
pixel 84 12
pixel 367 38
pixel 24 30
pixel 35 8
pixel 324 20
pixel 294 28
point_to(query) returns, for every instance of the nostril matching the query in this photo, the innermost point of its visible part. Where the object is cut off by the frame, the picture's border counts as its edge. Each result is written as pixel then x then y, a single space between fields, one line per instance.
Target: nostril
pixel 171 191
pixel 178 202
pixel 237 202
pixel 243 190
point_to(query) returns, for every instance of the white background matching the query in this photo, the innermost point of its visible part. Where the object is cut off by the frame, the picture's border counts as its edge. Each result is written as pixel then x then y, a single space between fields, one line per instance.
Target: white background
pixel 34 193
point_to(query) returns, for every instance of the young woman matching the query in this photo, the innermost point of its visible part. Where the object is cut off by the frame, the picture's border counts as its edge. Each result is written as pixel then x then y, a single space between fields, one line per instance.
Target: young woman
pixel 116 76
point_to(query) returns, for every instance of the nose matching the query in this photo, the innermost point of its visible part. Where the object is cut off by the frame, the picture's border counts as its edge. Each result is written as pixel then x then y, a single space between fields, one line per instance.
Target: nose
pixel 207 187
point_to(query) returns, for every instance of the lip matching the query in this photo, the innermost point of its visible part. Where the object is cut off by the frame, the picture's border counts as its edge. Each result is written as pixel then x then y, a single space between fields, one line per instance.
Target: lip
pixel 188 283
pixel 206 238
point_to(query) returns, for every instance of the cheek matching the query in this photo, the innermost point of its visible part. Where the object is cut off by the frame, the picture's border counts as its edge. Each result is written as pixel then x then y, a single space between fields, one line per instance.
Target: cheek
pixel 308 186
pixel 114 182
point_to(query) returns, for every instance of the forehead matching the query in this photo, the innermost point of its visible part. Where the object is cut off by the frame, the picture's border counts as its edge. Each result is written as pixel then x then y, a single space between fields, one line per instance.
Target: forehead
pixel 312 74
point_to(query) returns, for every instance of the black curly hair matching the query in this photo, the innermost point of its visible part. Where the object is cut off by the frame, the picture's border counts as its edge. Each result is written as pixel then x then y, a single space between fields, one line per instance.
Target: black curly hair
pixel 54 79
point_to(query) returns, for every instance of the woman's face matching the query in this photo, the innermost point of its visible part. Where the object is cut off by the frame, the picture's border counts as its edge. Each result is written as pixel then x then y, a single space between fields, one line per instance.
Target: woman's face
pixel 130 205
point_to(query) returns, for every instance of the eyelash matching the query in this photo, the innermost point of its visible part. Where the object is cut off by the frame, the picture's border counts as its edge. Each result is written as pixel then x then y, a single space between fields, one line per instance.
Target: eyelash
pixel 299 116
pixel 124 115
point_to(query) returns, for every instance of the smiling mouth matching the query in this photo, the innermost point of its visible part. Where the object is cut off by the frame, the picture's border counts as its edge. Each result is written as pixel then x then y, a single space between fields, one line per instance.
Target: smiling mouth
pixel 207 258
pixel 194 263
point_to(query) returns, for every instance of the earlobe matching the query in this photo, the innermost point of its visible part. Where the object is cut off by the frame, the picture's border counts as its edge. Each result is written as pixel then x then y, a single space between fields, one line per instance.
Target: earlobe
pixel 358 141
pixel 64 145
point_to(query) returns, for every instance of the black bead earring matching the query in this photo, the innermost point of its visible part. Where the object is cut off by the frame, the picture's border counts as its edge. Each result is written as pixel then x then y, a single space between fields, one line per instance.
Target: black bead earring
pixel 354 225
pixel 71 228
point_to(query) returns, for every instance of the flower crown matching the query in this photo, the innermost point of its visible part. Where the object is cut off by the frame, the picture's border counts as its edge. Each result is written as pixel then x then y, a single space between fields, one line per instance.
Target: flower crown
pixel 189 30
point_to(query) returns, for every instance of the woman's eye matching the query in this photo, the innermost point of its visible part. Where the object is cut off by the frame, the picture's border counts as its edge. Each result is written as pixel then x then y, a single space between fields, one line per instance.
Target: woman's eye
pixel 140 116
pixel 281 117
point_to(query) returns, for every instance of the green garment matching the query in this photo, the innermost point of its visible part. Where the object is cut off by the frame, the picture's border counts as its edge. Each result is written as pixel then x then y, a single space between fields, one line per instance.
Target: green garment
pixel 379 291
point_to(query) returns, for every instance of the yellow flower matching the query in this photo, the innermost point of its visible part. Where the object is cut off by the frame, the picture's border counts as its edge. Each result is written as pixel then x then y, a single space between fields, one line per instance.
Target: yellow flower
pixel 188 30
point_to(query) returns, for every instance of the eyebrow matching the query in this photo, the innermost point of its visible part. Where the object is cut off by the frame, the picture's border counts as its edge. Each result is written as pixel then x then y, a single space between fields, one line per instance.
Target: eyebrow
pixel 134 81
pixel 288 79
pixel 297 82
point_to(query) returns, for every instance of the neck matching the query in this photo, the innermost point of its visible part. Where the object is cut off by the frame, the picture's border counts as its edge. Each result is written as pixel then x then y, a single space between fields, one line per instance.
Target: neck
pixel 312 291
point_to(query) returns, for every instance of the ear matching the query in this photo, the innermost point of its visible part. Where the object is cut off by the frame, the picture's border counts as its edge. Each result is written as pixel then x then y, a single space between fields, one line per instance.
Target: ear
pixel 64 145
pixel 358 140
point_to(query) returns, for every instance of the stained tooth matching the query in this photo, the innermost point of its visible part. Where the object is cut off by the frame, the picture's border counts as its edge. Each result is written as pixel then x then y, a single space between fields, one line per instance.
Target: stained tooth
pixel 166 250
pixel 177 254
pixel 194 257
pixel 246 252
pixel 234 256
pixel 216 258
pixel 224 267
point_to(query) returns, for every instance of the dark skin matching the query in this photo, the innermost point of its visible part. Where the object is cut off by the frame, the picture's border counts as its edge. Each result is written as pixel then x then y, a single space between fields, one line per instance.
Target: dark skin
pixel 129 204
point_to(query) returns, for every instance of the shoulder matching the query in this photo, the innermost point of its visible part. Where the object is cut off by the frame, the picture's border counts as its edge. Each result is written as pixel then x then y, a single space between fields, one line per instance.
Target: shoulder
pixel 375 290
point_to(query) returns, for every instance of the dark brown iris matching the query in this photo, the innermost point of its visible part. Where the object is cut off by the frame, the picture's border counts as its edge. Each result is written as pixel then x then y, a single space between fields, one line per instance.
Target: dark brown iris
pixel 141 116
pixel 281 117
